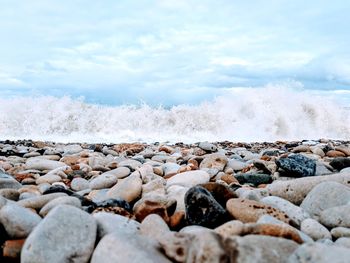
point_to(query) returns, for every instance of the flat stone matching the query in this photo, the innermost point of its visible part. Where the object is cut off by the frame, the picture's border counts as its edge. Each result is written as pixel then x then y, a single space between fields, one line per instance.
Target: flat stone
pixel 129 189
pixel 338 232
pixel 254 179
pixel 108 223
pixel 294 212
pixel 202 208
pixel 127 247
pixel 230 228
pixel 170 169
pixel 236 165
pixel 336 216
pixel 39 163
pixel 17 220
pixel 39 201
pixel 250 211
pixel 48 178
pixel 119 173
pixel 314 229
pixel 334 153
pixel 131 164
pixel 297 165
pixel 63 200
pixel 189 179
pixel 102 181
pixel 214 160
pixel 66 234
pixel 320 253
pixel 325 195
pixel 7 181
pixel 259 248
pixel 296 190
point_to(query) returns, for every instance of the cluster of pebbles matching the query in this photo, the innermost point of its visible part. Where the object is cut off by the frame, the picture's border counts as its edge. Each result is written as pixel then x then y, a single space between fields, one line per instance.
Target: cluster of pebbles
pixel 203 202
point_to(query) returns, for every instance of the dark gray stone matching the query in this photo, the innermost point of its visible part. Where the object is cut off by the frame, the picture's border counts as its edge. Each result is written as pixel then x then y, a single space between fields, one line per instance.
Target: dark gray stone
pixel 254 179
pixel 340 163
pixel 297 165
pixel 7 181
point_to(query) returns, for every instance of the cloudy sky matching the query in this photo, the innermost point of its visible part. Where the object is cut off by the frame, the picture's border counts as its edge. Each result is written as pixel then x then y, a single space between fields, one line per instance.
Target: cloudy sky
pixel 170 51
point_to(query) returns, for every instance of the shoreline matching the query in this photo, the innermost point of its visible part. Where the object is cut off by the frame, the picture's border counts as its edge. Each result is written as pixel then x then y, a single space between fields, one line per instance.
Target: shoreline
pixel 174 202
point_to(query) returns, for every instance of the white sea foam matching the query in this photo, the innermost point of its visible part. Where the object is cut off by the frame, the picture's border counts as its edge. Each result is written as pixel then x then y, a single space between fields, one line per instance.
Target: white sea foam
pixel 255 114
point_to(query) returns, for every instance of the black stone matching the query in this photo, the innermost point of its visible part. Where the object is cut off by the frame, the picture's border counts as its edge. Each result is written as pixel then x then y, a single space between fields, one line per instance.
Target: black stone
pixel 254 179
pixel 297 165
pixel 116 202
pixel 340 163
pixel 202 208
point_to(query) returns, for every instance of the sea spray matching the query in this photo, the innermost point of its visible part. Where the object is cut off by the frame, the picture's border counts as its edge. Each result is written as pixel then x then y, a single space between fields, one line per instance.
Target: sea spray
pixel 249 114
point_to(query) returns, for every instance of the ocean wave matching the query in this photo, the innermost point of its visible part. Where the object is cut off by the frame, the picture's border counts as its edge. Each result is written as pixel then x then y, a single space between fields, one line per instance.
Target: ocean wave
pixel 253 114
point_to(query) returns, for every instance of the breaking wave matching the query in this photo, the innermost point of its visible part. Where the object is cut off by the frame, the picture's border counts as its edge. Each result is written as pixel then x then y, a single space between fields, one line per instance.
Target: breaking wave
pixel 253 114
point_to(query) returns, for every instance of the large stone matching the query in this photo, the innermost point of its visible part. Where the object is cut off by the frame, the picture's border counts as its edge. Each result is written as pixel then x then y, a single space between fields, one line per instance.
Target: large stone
pixel 66 234
pixel 38 163
pixel 325 195
pixel 336 216
pixel 296 190
pixel 129 189
pixel 125 247
pixel 189 179
pixel 7 181
pixel 314 229
pixel 108 223
pixel 39 201
pixel 294 212
pixel 297 165
pixel 202 208
pixel 340 163
pixel 320 253
pixel 17 220
pixel 215 160
pixel 262 249
pixel 250 211
pixel 63 200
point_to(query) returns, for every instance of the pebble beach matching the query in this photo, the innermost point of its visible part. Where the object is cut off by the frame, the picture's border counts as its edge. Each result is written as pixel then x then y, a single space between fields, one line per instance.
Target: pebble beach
pixel 283 201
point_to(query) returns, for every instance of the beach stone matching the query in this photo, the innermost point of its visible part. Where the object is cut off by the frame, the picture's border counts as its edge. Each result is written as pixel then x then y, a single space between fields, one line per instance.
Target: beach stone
pixel 189 179
pixel 3 201
pixel 66 234
pixel 127 247
pixel 17 220
pixel 317 150
pixel 259 248
pixel 297 165
pixel 154 204
pixel 320 253
pixel 249 211
pixel 334 153
pixel 155 186
pixel 108 223
pixel 230 228
pixel 314 229
pixel 220 192
pixel 9 193
pixel 12 250
pixel 202 208
pixel 294 212
pixel 7 181
pixel 206 146
pixel 72 149
pixel 338 232
pixel 178 193
pixel 79 184
pixel 102 181
pixel 154 226
pixel 63 200
pixel 129 189
pixel 170 169
pixel 39 201
pixel 119 173
pixel 336 216
pixel 296 190
pixel 254 179
pixel 214 160
pixel 130 163
pixel 322 169
pixel 48 178
pixel 206 247
pixel 340 163
pixel 343 242
pixel 38 163
pixel 236 165
pixel 325 195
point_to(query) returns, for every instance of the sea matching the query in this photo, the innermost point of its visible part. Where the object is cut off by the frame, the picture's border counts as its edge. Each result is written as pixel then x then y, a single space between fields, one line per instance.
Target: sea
pixel 238 114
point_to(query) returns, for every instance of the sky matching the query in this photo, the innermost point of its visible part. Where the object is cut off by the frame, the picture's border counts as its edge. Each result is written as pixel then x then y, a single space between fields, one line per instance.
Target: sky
pixel 170 51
